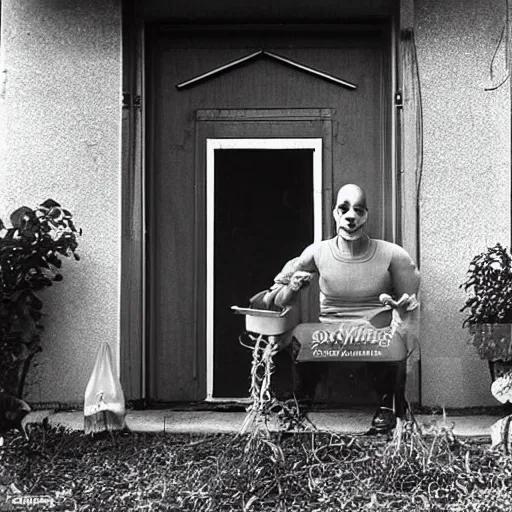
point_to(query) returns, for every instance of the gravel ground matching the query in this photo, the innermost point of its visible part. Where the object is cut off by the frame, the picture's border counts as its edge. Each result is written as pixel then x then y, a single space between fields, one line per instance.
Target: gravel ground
pixel 259 472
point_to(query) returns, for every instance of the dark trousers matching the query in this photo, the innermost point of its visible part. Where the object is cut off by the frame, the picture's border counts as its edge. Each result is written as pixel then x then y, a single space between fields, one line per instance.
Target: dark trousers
pixel 387 379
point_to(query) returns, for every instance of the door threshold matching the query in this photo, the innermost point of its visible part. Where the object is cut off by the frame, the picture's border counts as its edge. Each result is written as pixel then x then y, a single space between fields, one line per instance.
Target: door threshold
pixel 230 405
pixel 216 400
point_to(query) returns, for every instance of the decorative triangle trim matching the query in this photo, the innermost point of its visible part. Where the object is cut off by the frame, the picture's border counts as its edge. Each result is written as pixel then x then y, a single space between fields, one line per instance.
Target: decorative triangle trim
pixel 270 55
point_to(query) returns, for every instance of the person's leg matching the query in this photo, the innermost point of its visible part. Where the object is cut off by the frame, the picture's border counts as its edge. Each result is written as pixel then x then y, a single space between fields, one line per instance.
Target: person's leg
pixel 400 378
pixel 309 374
pixel 388 381
pixel 283 377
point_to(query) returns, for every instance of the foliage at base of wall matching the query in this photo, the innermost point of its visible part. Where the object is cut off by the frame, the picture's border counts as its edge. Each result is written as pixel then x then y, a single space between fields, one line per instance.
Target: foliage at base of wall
pixel 492 341
pixel 31 254
pixel 489 303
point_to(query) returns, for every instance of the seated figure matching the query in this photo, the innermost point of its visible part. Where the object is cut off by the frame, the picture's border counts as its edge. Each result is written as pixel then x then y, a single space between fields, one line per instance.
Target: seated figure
pixel 354 271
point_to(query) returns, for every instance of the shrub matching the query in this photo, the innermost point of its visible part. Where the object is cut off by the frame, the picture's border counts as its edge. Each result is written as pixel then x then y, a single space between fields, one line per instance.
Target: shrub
pixel 30 259
pixel 489 285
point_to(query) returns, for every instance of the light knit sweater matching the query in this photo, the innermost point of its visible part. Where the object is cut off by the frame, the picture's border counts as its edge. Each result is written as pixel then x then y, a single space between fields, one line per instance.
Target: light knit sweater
pixel 350 285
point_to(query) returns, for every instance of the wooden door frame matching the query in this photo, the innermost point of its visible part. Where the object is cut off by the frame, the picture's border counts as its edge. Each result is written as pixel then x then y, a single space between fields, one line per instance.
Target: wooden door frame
pixel 409 149
pixel 226 124
pixel 212 144
pixel 133 342
pixel 133 210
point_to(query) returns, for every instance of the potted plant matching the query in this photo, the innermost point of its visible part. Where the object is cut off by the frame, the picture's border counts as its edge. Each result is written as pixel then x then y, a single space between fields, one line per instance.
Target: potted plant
pixel 489 307
pixel 30 259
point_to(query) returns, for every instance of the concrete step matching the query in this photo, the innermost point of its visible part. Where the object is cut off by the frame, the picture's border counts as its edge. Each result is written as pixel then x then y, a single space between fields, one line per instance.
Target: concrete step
pixel 194 422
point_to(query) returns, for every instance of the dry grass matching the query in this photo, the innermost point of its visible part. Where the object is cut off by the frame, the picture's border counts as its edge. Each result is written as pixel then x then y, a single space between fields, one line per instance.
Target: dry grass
pixel 259 471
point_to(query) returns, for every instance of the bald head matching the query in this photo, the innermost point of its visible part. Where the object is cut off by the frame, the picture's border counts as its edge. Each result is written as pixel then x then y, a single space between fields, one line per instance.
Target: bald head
pixel 350 212
pixel 353 194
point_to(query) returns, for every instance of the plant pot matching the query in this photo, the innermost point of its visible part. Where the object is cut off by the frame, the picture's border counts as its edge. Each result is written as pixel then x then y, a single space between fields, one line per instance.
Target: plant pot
pixel 492 341
pixel 499 368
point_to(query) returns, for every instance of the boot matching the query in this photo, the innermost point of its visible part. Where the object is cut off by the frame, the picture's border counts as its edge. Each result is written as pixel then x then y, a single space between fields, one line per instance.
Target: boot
pixel 384 419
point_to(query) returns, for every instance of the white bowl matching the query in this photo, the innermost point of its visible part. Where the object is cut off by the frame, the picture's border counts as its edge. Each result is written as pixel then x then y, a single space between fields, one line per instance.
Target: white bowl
pixel 270 323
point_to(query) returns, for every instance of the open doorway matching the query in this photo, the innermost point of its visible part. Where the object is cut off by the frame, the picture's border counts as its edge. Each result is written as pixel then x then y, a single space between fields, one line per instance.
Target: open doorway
pixel 261 213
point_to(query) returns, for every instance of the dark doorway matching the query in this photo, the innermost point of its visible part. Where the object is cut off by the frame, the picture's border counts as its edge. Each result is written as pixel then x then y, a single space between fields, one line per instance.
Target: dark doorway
pixel 263 210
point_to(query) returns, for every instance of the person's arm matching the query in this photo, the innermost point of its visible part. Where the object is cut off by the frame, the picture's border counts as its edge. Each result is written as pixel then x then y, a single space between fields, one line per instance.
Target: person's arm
pixel 404 274
pixel 296 274
pixel 305 262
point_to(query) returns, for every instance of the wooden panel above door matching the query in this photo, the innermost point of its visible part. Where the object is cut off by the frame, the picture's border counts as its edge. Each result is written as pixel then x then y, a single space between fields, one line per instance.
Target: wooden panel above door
pixel 263 10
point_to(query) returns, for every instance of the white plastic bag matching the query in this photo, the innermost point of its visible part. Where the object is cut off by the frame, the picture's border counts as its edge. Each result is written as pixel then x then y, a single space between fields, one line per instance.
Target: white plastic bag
pixel 104 405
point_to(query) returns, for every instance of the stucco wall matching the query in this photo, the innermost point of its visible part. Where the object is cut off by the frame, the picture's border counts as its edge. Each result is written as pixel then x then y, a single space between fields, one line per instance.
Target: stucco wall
pixel 60 138
pixel 465 196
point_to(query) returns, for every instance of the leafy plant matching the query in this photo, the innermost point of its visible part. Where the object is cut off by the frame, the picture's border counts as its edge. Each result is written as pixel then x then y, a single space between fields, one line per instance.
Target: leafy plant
pixel 489 286
pixel 30 259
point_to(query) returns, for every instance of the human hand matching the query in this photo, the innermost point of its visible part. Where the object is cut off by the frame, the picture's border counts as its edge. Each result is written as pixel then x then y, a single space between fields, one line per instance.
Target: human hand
pixel 299 279
pixel 282 295
pixel 406 302
pixel 286 290
pixel 287 272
